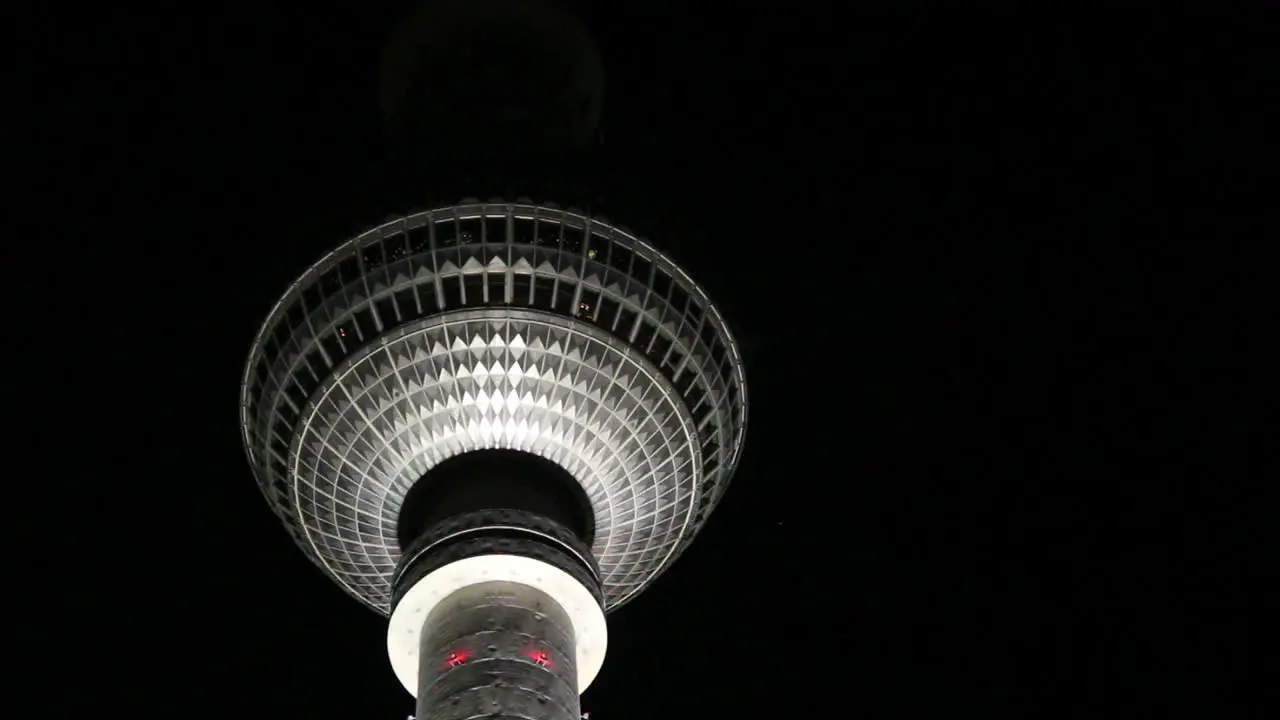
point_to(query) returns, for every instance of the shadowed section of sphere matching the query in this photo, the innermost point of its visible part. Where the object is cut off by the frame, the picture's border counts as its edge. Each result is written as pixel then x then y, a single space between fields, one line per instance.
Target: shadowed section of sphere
pixel 483 77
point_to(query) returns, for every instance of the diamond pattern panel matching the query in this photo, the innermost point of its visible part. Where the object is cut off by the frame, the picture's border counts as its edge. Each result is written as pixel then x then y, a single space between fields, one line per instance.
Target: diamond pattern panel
pixel 494 380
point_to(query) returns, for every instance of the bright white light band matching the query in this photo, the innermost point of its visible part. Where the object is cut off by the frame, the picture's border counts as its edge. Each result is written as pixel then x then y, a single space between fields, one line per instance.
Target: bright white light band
pixel 404 634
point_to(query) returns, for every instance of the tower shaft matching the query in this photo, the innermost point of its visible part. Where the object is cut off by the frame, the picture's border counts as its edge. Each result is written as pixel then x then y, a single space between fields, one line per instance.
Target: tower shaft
pixel 498 650
pixel 497 613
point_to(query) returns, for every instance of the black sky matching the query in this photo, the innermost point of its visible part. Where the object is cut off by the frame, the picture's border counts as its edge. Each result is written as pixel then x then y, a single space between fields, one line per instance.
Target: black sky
pixel 998 277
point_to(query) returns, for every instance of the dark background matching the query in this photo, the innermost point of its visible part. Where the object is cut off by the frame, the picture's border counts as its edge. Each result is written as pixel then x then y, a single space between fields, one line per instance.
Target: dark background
pixel 1001 278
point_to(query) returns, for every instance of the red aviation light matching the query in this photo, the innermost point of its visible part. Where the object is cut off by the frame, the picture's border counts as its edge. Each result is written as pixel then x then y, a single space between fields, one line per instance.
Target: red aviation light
pixel 542 657
pixel 456 658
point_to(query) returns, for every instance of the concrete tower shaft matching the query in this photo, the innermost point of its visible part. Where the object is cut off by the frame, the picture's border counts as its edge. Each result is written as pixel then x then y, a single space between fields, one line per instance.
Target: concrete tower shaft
pixel 497 613
pixel 498 647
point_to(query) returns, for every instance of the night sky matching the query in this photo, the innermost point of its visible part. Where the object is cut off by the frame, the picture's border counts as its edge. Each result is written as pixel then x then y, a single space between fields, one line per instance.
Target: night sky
pixel 989 274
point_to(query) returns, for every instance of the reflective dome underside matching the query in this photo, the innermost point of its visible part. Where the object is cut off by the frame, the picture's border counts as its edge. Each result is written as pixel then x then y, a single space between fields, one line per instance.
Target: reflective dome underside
pixel 491 382
pixel 493 326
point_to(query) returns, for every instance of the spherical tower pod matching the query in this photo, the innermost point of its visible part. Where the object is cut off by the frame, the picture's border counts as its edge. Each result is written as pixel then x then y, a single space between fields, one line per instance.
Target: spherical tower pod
pixel 498 331
pixel 493 326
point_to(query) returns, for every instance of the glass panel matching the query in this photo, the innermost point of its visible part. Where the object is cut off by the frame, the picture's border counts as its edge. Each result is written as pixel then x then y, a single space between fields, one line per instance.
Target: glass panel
pixel 262 370
pixel 396 247
pixel 294 316
pixel 473 290
pixel 349 270
pixel 469 231
pixel 608 312
pixel 497 287
pixel 311 297
pixel 523 231
pixel 330 283
pixel 543 293
pixel 661 343
pixel 588 302
pixel 407 304
pixel 626 322
pixel 386 311
pixel 452 287
pixel 641 268
pixel 708 334
pixel 446 233
pixel 645 335
pixel 564 297
pixel 548 233
pixel 296 394
pixel 317 364
pixel 679 301
pixel 573 239
pixel 332 347
pixel 495 230
pixel 597 248
pixel 620 258
pixel 522 287
pixel 694 313
pixel 373 256
pixel 661 284
pixel 419 239
pixel 674 358
pixel 364 324
pixel 718 355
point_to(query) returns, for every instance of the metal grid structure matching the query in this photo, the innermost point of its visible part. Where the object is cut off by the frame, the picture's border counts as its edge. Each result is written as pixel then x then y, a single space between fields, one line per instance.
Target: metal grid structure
pixel 493 325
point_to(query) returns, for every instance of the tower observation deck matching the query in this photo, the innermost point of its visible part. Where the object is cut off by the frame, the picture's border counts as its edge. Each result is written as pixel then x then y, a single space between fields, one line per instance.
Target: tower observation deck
pixel 494 422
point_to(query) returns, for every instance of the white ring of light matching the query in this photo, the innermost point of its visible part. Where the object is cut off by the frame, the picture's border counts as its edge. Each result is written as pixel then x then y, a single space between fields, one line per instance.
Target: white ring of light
pixel 404 632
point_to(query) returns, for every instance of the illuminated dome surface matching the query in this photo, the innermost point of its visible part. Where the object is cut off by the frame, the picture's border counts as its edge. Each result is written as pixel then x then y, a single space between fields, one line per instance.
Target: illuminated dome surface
pixel 493 326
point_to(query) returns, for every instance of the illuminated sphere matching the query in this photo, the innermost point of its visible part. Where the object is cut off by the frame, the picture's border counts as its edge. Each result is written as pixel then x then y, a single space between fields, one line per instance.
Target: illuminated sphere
pixel 483 326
